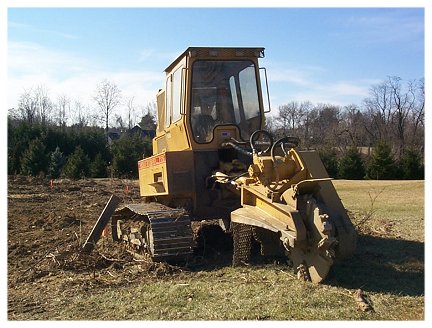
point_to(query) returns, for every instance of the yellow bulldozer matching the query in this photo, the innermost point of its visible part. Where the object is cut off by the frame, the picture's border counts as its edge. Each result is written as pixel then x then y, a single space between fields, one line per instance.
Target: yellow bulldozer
pixel 213 160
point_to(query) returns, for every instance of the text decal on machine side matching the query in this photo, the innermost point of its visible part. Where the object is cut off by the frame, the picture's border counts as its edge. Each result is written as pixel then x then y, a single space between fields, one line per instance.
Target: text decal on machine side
pixel 151 161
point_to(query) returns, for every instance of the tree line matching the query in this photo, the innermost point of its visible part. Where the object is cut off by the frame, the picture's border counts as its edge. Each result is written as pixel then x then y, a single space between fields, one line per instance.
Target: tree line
pixel 63 138
pixel 72 152
pixel 36 106
pixel 382 138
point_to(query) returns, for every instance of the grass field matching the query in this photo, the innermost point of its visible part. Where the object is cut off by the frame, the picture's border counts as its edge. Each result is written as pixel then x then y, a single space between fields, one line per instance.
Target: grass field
pixel 395 205
pixel 388 266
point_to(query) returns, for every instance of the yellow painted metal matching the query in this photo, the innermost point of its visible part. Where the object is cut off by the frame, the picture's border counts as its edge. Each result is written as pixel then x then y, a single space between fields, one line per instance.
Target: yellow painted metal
pixel 281 216
pixel 176 135
pixel 160 99
pixel 284 217
pixel 152 173
pixel 167 173
pixel 173 133
pixel 347 236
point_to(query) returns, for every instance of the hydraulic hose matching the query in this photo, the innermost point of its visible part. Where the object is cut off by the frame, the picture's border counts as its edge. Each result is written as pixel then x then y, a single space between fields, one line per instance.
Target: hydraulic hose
pixel 238 148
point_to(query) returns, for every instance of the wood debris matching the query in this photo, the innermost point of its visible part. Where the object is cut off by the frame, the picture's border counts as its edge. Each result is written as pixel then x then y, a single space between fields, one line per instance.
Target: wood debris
pixel 363 301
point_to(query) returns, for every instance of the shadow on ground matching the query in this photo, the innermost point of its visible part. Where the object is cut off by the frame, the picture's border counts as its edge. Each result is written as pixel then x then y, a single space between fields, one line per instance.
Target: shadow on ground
pixel 382 265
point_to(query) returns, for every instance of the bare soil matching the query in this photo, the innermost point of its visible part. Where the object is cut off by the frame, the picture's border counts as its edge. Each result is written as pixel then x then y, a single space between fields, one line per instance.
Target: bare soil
pixel 48 223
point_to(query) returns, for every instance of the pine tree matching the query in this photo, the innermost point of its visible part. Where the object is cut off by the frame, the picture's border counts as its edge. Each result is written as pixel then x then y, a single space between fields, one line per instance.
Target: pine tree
pixel 329 158
pixel 126 153
pixel 34 159
pixel 77 165
pixel 381 165
pixel 98 167
pixel 351 165
pixel 56 163
pixel 410 165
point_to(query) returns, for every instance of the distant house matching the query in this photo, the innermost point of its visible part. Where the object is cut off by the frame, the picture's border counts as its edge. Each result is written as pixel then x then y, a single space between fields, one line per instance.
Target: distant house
pixel 142 132
pixel 115 133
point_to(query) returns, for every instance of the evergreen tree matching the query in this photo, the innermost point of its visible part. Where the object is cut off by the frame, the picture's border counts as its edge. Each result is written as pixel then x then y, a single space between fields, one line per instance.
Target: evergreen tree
pixel 329 158
pixel 410 165
pixel 351 165
pixel 56 163
pixel 77 165
pixel 20 135
pixel 148 121
pixel 93 141
pixel 381 165
pixel 34 159
pixel 148 147
pixel 127 151
pixel 98 167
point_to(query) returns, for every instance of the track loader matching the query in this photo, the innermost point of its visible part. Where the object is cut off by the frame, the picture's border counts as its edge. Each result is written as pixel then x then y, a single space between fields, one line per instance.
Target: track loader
pixel 213 160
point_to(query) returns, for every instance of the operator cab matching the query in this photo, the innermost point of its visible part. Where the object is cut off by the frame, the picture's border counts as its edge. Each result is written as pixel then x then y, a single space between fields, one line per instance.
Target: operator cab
pixel 211 95
pixel 224 93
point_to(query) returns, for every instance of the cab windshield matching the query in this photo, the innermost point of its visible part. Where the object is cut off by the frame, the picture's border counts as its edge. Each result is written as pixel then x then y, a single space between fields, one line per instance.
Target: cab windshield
pixel 224 92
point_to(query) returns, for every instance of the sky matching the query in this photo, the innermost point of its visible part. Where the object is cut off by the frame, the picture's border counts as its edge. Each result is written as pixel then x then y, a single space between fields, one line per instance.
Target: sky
pixel 322 55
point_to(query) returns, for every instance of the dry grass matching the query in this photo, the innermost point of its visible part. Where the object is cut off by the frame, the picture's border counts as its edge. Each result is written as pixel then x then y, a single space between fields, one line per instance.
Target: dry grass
pixel 388 266
pixel 394 205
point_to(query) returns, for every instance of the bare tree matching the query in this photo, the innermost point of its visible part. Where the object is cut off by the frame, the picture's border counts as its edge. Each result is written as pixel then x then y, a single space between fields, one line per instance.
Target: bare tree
pixel 80 117
pixel 119 122
pixel 108 96
pixel 379 108
pixel 44 104
pixel 325 127
pixel 149 109
pixel 270 124
pixel 34 105
pixel 27 106
pixel 291 117
pixel 395 111
pixel 131 113
pixel 288 116
pixel 63 106
pixel 403 105
pixel 417 115
pixel 351 124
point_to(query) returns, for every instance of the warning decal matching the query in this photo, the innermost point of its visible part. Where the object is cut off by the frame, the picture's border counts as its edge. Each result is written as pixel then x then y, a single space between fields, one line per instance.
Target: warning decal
pixel 151 161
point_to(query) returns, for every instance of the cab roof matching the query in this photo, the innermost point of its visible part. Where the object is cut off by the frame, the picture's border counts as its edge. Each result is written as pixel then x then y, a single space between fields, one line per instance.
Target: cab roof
pixel 218 52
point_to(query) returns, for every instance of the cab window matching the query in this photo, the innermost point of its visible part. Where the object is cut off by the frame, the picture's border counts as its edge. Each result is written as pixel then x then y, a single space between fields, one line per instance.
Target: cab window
pixel 224 92
pixel 173 97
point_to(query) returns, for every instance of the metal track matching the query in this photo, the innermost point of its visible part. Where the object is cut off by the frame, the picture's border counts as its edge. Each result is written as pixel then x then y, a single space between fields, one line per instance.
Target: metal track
pixel 270 242
pixel 242 237
pixel 165 234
